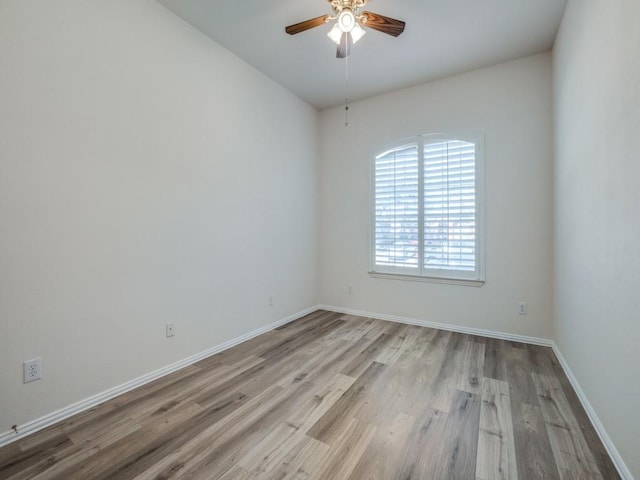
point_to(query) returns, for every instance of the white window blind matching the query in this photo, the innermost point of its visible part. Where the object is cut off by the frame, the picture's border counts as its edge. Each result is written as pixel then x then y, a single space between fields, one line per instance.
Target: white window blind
pixel 397 207
pixel 426 209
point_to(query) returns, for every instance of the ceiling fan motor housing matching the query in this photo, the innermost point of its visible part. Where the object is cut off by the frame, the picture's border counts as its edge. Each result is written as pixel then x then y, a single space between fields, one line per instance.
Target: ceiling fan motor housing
pixel 353 5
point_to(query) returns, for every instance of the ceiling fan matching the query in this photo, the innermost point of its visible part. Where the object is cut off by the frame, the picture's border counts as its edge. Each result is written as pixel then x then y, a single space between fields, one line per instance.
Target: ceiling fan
pixel 349 22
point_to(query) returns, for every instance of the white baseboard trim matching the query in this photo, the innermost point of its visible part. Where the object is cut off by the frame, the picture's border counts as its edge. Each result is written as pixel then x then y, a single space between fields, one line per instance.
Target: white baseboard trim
pixel 78 407
pixel 442 326
pixel 622 468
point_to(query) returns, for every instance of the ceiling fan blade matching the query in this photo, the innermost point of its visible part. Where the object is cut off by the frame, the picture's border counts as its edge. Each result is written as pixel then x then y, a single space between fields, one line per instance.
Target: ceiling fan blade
pixel 383 24
pixel 306 25
pixel 345 46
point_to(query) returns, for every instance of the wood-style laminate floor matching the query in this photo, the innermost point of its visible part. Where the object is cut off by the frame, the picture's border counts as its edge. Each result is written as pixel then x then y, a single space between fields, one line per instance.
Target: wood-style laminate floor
pixel 333 396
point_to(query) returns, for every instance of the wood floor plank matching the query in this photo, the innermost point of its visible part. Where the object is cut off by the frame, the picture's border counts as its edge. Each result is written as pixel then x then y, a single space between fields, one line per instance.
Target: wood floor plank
pixel 275 339
pixel 352 329
pixel 360 327
pixel 237 434
pixel 65 459
pixel 363 327
pixel 600 454
pixel 317 317
pixel 367 356
pixel 495 360
pixel 392 351
pixel 336 419
pixel 138 402
pixel 379 461
pixel 314 407
pixel 349 446
pixel 419 459
pixel 325 364
pixel 311 459
pixel 301 338
pixel 572 454
pixel 458 452
pixel 496 445
pixel 407 385
pixel 184 456
pixel 534 454
pixel 29 453
pixel 460 368
pixel 255 378
pixel 278 447
pixel 334 396
pixel 120 456
pixel 417 341
pixel 236 473
pixel 546 363
pixel 430 386
pixel 471 367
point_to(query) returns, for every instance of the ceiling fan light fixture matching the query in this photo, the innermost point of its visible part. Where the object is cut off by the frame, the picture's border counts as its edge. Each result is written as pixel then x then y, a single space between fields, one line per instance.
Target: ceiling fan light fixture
pixel 346 20
pixel 347 23
pixel 357 33
pixel 335 34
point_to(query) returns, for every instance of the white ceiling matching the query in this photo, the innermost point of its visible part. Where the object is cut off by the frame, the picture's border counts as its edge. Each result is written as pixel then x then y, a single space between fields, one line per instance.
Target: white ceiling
pixel 442 38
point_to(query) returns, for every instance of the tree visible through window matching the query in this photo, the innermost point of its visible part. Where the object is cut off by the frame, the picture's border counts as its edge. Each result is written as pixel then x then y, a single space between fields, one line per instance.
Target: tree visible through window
pixel 427 208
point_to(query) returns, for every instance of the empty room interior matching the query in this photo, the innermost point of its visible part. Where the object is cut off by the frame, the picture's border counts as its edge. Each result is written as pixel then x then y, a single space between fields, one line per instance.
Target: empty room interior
pixel 239 244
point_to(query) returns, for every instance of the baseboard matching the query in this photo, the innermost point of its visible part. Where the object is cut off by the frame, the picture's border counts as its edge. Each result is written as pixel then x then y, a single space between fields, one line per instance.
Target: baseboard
pixel 78 407
pixel 443 326
pixel 622 468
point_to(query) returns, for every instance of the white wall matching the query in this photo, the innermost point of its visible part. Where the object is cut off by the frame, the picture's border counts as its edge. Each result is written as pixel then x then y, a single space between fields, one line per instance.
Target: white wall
pixel 597 220
pixel 146 176
pixel 511 104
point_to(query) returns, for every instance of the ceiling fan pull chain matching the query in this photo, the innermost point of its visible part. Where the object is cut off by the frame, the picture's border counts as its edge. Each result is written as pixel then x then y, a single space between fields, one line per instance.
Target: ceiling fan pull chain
pixel 346 87
pixel 346 113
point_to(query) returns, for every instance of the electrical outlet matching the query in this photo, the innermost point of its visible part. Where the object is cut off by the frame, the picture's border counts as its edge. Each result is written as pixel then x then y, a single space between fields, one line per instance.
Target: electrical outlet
pixel 522 308
pixel 171 331
pixel 32 370
pixel 270 300
pixel 349 289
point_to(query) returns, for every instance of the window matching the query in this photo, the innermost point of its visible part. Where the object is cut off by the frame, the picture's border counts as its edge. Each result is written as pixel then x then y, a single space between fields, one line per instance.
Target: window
pixel 427 209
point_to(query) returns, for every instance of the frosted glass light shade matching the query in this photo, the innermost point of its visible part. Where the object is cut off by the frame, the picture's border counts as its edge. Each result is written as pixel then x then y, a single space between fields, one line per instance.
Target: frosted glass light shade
pixel 357 33
pixel 335 34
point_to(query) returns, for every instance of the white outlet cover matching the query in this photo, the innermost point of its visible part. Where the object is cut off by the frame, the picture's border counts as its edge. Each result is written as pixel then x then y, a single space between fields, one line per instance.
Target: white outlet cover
pixel 32 370
pixel 170 330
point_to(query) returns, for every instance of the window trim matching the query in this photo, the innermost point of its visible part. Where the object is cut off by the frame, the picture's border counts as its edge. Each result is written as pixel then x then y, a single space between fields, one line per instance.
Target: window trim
pixel 456 277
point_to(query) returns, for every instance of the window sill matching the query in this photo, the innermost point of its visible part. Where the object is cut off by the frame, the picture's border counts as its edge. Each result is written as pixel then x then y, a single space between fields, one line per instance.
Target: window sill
pixel 415 278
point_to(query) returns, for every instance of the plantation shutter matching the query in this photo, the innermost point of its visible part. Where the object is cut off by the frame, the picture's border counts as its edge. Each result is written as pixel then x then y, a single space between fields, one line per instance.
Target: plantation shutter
pixel 396 208
pixel 449 205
